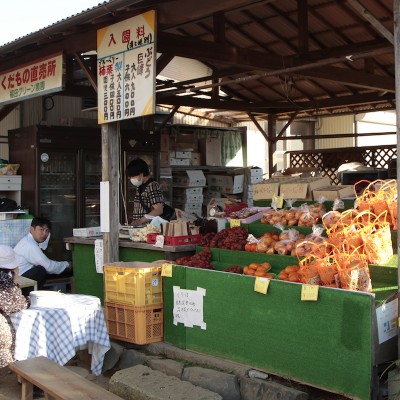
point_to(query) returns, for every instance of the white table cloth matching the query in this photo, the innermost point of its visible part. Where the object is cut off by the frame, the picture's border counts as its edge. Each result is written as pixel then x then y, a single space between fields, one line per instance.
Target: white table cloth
pixel 58 332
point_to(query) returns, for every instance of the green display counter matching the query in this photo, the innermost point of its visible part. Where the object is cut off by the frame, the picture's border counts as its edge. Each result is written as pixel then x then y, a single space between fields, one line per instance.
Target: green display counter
pixel 88 281
pixel 330 343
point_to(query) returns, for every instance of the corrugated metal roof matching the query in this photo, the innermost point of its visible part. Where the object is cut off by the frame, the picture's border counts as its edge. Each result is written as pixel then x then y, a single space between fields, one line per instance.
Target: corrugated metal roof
pixel 269 57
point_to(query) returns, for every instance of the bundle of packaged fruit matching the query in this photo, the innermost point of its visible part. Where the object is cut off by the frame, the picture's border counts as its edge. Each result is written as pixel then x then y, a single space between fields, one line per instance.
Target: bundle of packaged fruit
pixel 288 242
pixel 305 215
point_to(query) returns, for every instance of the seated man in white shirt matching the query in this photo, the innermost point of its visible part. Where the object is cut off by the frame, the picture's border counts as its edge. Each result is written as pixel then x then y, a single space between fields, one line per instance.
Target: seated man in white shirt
pixel 36 265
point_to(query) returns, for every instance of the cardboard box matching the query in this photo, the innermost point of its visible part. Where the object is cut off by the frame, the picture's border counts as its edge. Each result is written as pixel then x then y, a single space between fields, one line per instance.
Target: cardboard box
pixel 256 179
pixel 184 191
pixel 210 150
pixel 179 161
pixel 332 193
pixel 195 160
pixel 188 198
pixel 87 232
pixel 265 190
pixel 231 184
pixel 255 171
pixel 192 208
pixel 302 188
pixel 184 142
pixel 181 154
pixel 191 178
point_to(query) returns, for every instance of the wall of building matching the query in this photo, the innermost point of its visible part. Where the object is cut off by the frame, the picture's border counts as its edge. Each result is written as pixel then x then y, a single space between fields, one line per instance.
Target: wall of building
pixel 334 125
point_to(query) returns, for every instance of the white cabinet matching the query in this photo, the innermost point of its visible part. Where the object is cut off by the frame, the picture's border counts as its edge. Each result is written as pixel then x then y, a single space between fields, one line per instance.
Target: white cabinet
pixel 10 186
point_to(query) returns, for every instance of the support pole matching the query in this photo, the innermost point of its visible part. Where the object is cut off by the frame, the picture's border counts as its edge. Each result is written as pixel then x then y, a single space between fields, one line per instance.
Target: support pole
pixel 272 165
pixel 396 19
pixel 110 172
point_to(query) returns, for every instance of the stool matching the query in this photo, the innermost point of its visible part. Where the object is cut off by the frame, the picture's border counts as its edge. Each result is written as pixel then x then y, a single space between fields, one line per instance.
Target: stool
pixel 63 282
pixel 26 282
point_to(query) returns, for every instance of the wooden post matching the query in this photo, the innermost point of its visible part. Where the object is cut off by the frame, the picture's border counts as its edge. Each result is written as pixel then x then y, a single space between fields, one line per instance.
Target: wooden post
pixel 396 20
pixel 272 165
pixel 110 173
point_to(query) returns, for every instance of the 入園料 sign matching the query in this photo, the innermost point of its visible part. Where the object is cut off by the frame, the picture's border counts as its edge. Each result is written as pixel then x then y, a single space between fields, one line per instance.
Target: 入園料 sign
pixel 126 56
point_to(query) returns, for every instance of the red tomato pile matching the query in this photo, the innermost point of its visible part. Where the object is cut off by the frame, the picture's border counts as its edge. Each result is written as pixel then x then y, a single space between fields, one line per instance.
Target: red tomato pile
pixel 231 238
pixel 201 259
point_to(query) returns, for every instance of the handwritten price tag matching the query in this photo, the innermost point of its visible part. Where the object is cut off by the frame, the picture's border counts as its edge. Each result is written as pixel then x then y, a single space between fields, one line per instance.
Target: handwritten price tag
pixel 235 222
pixel 166 270
pixel 309 292
pixel 261 285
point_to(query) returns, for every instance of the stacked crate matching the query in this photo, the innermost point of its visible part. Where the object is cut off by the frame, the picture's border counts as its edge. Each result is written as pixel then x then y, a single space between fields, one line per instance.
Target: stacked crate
pixel 134 301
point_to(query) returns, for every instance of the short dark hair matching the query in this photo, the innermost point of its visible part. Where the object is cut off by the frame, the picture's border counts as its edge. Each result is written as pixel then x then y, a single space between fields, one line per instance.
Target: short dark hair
pixel 136 167
pixel 41 221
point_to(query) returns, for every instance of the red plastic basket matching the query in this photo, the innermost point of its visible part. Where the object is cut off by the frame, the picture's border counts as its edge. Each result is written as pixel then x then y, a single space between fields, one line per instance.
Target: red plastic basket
pixel 175 240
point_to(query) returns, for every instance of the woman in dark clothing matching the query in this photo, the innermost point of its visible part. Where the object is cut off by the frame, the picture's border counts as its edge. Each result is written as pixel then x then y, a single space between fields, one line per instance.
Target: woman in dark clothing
pixel 148 201
pixel 11 300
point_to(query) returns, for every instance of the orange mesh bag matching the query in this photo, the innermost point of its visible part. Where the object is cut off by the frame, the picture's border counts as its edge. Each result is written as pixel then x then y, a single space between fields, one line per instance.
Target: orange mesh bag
pixel 346 230
pixel 308 271
pixel 316 270
pixel 353 271
pixel 390 190
pixel 365 192
pixel 377 196
pixel 377 240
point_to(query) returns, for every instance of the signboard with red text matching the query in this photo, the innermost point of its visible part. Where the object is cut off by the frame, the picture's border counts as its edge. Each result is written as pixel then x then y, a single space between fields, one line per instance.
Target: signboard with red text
pixel 40 77
pixel 126 57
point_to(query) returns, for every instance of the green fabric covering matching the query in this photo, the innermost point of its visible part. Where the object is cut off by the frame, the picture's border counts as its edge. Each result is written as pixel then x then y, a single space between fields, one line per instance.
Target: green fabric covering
pixel 86 279
pixel 327 343
pixel 174 334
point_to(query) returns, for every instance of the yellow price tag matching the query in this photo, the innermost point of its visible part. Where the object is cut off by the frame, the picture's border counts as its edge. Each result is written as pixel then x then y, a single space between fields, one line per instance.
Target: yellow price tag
pixel 261 285
pixel 278 200
pixel 235 222
pixel 309 292
pixel 166 270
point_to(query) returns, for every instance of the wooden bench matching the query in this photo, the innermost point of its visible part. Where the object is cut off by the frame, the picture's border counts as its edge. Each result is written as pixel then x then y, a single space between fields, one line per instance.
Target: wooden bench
pixel 57 382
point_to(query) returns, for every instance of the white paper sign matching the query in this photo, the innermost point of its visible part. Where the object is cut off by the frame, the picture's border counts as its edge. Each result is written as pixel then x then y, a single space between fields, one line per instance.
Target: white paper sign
pixel 98 255
pixel 386 316
pixel 188 307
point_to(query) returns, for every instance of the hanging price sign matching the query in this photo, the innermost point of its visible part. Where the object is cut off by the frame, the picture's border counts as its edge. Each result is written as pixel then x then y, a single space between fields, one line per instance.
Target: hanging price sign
pixel 309 292
pixel 235 222
pixel 166 270
pixel 261 285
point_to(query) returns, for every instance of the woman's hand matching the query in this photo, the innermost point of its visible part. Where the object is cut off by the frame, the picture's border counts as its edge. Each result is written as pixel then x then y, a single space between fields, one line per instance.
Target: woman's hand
pixel 140 221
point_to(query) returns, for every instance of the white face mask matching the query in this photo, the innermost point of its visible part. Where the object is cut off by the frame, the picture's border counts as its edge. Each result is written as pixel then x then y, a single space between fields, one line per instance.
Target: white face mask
pixel 136 182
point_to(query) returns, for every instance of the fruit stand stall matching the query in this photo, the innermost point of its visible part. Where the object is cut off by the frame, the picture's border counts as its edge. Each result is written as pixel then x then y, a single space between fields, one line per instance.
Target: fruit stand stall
pixel 333 336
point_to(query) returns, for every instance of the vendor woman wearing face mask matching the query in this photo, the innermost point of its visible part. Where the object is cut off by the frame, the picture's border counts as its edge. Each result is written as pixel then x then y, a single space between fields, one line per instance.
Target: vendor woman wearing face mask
pixel 148 200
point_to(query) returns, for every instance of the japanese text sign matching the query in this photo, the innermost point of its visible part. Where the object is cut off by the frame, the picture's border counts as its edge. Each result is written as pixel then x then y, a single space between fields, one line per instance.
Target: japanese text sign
pixel 40 77
pixel 126 57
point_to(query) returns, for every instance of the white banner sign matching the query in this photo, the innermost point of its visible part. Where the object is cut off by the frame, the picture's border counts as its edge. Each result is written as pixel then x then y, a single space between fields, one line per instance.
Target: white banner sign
pixel 126 57
pixel 188 307
pixel 38 78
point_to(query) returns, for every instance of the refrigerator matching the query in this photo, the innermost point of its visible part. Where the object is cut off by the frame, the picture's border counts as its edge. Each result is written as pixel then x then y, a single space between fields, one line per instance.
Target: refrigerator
pixel 61 172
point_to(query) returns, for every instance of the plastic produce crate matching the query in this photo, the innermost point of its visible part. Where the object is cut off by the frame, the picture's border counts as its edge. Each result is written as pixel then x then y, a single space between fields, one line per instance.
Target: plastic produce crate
pixel 134 283
pixel 139 325
pixel 175 240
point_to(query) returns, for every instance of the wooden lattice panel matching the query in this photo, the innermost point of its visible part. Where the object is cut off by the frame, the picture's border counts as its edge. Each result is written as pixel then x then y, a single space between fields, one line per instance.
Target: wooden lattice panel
pixel 329 160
